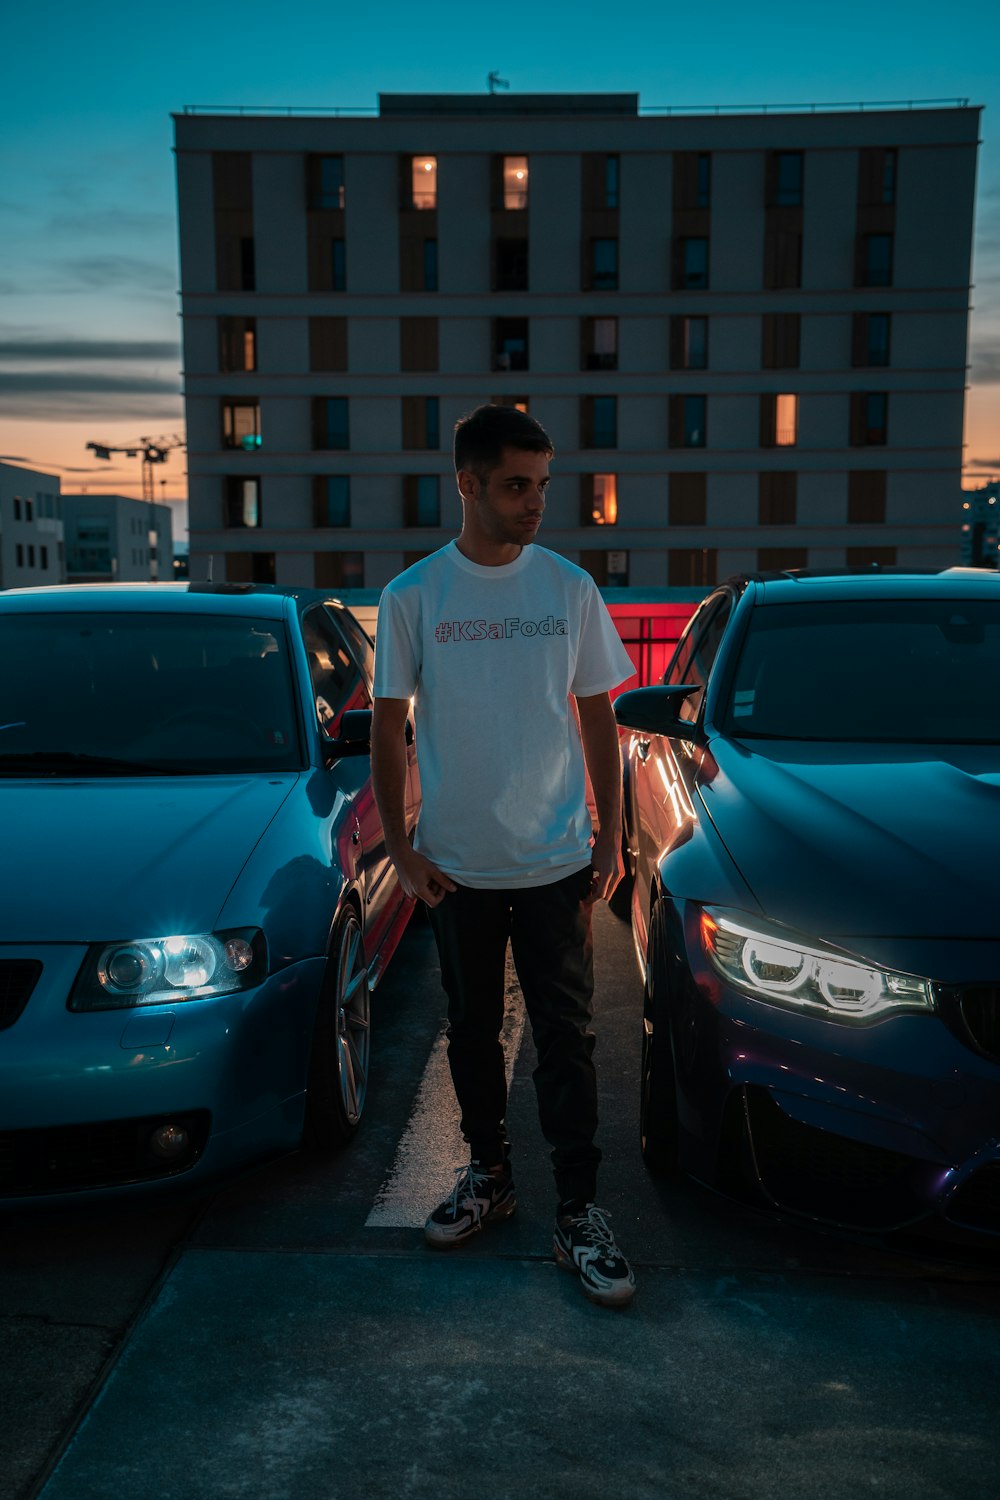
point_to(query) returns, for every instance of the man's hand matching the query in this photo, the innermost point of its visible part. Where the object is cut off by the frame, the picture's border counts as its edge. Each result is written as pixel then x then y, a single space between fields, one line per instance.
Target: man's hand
pixel 419 878
pixel 606 864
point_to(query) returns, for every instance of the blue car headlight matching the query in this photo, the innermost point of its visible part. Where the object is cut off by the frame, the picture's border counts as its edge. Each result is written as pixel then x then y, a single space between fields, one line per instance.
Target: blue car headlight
pixel 774 965
pixel 165 970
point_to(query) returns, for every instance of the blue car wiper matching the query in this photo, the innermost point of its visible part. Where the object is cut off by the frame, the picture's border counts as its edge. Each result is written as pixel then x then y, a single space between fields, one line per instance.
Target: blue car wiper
pixel 57 762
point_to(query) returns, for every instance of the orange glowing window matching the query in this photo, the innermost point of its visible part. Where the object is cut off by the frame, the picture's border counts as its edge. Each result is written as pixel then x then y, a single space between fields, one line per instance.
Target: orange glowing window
pixel 605 507
pixel 425 182
pixel 515 182
pixel 786 421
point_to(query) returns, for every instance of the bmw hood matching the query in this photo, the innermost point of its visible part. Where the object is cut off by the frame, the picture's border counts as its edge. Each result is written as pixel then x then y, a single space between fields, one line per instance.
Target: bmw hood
pixel 106 858
pixel 870 839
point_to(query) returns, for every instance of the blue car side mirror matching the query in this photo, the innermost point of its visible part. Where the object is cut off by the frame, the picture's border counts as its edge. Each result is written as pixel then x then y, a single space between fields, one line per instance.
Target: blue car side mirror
pixel 655 711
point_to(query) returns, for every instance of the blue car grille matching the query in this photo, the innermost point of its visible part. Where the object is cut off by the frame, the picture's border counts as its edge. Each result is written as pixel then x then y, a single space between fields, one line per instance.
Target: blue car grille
pixel 65 1158
pixel 976 1204
pixel 981 1013
pixel 18 977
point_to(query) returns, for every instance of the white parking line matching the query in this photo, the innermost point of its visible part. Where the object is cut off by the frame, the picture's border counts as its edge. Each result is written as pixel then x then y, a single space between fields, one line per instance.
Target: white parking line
pixel 431 1146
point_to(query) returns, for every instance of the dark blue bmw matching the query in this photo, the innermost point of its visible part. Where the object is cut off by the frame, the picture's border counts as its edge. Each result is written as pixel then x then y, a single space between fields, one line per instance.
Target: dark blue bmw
pixel 813 825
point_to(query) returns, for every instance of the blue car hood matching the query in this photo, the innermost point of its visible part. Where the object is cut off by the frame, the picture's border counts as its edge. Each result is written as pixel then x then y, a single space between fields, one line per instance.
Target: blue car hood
pixel 863 839
pixel 107 858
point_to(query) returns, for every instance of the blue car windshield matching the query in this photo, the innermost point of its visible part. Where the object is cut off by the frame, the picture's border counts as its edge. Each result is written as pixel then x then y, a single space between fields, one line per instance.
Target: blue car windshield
pixel 103 694
pixel 915 671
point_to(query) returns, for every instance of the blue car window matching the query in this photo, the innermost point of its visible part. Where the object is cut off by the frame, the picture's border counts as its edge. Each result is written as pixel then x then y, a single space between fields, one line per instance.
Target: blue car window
pixel 336 681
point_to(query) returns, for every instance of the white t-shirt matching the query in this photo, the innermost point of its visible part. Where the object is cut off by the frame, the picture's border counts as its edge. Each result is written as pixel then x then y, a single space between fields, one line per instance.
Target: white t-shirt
pixel 490 657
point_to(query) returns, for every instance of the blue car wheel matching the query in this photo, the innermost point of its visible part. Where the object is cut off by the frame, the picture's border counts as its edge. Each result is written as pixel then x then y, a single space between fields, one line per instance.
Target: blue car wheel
pixel 339 1065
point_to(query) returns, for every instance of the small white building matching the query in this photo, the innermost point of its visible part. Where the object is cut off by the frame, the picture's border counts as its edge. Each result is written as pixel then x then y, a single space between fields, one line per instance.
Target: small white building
pixel 31 528
pixel 115 539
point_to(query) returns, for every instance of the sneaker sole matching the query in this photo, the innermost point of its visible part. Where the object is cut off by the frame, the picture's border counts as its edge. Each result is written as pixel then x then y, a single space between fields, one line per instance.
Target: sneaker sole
pixel 443 1239
pixel 614 1297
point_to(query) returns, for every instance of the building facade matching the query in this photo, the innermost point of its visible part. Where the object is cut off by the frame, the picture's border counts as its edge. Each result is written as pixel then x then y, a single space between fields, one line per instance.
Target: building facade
pixel 116 539
pixel 746 333
pixel 31 528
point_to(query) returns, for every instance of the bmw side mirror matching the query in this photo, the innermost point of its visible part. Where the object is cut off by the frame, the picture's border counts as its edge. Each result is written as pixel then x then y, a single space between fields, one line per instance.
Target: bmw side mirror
pixel 355 737
pixel 654 710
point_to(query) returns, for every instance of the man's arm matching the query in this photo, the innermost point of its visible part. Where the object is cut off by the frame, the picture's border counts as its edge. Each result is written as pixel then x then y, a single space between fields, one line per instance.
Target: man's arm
pixel 599 731
pixel 417 876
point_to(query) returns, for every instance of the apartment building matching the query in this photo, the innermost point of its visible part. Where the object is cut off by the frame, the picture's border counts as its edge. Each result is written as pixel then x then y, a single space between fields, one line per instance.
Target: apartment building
pixel 746 333
pixel 31 528
pixel 117 539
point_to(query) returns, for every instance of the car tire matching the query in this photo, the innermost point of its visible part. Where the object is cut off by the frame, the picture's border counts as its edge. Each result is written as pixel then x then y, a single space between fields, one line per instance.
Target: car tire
pixel 341 1050
pixel 658 1127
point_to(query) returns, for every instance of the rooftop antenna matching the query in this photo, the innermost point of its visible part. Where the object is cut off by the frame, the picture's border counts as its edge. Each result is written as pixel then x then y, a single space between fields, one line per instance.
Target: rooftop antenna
pixel 494 82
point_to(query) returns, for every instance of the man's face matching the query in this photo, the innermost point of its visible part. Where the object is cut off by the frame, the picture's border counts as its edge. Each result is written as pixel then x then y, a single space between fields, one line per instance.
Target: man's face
pixel 508 508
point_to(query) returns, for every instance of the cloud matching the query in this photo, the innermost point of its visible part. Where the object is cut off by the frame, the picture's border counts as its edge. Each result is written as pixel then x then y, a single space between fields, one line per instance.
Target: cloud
pixel 23 382
pixel 985 368
pixel 104 349
pixel 122 272
pixel 107 222
pixel 96 407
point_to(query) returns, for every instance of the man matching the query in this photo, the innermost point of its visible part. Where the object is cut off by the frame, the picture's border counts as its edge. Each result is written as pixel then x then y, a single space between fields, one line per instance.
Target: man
pixel 491 636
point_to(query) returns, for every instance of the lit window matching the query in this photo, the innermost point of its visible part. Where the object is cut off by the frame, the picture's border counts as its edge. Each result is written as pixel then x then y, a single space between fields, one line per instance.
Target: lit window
pixel 242 501
pixel 515 182
pixel 241 424
pixel 604 265
pixel 424 178
pixel 605 500
pixel 786 421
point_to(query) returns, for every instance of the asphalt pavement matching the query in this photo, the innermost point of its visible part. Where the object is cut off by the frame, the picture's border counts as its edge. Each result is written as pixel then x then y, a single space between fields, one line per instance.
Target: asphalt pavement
pixel 291 1337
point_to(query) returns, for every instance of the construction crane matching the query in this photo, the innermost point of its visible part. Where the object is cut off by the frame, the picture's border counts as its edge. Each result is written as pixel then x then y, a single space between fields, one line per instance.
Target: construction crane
pixel 153 450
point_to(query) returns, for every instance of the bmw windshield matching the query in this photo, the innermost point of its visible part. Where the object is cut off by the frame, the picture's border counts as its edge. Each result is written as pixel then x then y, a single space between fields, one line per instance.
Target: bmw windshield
pixel 97 695
pixel 913 671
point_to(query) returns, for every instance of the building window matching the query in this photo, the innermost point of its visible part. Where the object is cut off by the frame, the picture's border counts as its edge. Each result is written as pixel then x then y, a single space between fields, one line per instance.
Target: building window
pixel 870 340
pixel 607 569
pixel 232 191
pixel 44 552
pixel 600 181
pixel 785 179
pixel 325 182
pixel 869 418
pixel 688 421
pixel 602 271
pixel 779 343
pixel 430 265
pixel 599 421
pixel 599 343
pixel 703 187
pixel 866 497
pixel 686 500
pixel 31 555
pixel 418 343
pixel 782 259
pixel 776 496
pixel 29 510
pixel 423 182
pixel 17 507
pixel 510 343
pixel 421 425
pixel 877 176
pixel 871 557
pixel 510 265
pixel 421 500
pixel 515 182
pixel 779 420
pixel 241 425
pixel 599 499
pixel 19 553
pixel 331 422
pixel 338 265
pixel 237 344
pixel 340 570
pixel 781 559
pixel 332 497
pixel 874 267
pixel 418 263
pixel 242 501
pixel 688 343
pixel 520 403
pixel 691 263
pixel 691 567
pixel 328 343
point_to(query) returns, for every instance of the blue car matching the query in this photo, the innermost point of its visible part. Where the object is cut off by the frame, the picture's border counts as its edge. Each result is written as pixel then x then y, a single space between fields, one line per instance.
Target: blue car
pixel 197 901
pixel 812 822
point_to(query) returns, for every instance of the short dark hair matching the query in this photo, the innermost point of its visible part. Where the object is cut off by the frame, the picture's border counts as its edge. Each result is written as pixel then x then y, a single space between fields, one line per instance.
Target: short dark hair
pixel 481 437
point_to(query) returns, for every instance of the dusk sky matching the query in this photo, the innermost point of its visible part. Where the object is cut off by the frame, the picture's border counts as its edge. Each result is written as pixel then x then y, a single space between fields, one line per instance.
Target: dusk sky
pixel 89 325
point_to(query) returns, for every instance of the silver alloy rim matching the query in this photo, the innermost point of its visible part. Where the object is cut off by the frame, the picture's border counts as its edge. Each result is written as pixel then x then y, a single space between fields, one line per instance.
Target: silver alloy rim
pixel 353 1022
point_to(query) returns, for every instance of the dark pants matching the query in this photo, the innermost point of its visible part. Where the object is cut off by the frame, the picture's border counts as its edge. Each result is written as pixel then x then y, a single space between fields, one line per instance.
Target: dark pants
pixel 549 930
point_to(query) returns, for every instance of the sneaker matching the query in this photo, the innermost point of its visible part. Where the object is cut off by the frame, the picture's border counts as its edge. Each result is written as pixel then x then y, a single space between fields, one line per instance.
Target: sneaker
pixel 583 1243
pixel 479 1195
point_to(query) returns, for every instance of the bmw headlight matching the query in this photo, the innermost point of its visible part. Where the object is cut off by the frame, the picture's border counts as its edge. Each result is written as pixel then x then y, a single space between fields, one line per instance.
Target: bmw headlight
pixel 777 967
pixel 164 970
